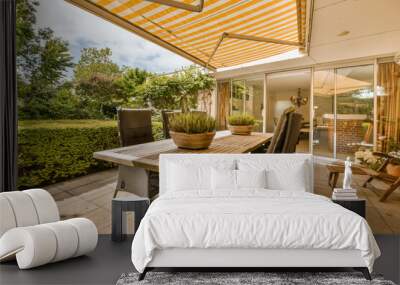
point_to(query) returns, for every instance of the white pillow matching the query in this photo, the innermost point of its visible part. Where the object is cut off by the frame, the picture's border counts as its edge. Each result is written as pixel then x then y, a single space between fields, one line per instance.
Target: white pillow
pixel 251 178
pixel 227 179
pixel 292 179
pixel 283 172
pixel 186 175
pixel 183 178
pixel 223 179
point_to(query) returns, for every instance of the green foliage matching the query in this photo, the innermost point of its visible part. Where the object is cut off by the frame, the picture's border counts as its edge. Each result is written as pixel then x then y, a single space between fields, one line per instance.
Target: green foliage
pixel 95 61
pixel 95 81
pixel 159 92
pixel 131 85
pixel 42 62
pixel 241 120
pixel 177 91
pixel 191 123
pixel 103 86
pixel 65 105
pixel 47 156
pixel 157 130
pixel 53 151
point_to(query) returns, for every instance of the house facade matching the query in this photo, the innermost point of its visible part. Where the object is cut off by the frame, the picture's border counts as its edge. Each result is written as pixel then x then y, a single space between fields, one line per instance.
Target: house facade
pixel 346 86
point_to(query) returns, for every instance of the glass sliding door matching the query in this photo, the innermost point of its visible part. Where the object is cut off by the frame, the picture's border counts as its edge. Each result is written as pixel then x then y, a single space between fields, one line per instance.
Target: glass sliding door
pixel 324 110
pixel 254 101
pixel 248 98
pixel 282 89
pixel 343 110
pixel 237 99
pixel 354 109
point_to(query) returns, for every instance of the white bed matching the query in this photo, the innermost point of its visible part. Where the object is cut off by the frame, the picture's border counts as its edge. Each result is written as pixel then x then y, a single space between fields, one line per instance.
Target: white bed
pixel 201 219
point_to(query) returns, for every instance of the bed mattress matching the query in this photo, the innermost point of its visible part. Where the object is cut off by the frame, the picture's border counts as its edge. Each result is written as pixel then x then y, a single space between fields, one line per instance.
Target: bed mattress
pixel 250 219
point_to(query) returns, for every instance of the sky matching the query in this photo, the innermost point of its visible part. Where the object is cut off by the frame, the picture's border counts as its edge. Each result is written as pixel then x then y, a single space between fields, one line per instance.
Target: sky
pixel 82 29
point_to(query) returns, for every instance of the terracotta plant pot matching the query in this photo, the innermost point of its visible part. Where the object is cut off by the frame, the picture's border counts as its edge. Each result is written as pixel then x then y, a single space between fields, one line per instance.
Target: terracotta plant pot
pixel 240 130
pixel 192 141
pixel 393 169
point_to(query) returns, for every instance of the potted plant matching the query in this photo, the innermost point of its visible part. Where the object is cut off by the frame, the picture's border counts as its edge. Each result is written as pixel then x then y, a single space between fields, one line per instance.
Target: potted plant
pixel 241 124
pixel 192 130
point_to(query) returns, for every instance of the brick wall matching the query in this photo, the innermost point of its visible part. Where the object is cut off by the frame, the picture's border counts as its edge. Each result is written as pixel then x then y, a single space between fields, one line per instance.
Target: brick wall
pixel 348 132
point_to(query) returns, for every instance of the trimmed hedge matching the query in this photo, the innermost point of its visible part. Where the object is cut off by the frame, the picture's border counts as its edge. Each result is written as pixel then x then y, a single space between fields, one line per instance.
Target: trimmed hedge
pixel 50 155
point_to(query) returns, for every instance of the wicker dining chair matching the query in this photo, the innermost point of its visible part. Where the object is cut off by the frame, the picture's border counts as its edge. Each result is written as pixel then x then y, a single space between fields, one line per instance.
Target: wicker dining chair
pixel 294 124
pixel 166 114
pixel 278 139
pixel 134 128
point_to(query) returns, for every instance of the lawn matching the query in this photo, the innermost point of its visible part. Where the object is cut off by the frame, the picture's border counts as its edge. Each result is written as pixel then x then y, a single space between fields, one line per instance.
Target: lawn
pixel 62 124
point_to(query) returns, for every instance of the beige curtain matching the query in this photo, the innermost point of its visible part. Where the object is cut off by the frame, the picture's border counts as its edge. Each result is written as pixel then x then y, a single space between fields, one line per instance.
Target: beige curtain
pixel 388 105
pixel 224 94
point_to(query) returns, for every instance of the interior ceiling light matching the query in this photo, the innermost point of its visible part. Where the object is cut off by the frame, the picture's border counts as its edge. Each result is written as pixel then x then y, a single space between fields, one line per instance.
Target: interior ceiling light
pixel 181 5
pixel 380 91
pixel 344 33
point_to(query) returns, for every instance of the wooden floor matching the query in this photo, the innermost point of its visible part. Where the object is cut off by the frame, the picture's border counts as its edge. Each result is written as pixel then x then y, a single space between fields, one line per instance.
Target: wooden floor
pixel 90 196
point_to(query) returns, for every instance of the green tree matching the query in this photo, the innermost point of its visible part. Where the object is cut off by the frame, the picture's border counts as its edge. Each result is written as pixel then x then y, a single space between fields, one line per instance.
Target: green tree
pixel 178 90
pixel 96 79
pixel 94 61
pixel 103 86
pixel 131 84
pixel 42 62
pixel 159 93
pixel 66 104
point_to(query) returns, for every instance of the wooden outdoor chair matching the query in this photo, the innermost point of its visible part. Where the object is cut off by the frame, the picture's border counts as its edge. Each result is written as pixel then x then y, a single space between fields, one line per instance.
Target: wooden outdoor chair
pixel 382 175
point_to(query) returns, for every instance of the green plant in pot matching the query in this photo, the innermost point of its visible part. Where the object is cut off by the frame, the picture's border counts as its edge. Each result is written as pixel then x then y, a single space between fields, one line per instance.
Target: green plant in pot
pixel 241 124
pixel 192 130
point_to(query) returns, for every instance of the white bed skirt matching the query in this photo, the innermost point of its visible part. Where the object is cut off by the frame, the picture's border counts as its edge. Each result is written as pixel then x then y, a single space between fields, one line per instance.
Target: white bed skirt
pixel 189 257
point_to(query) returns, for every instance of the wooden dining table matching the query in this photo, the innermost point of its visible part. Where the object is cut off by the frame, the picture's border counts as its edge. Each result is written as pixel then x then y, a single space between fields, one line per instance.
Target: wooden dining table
pixel 137 161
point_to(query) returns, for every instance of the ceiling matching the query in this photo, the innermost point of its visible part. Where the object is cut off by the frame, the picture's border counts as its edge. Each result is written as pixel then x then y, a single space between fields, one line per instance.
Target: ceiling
pixel 289 81
pixel 224 33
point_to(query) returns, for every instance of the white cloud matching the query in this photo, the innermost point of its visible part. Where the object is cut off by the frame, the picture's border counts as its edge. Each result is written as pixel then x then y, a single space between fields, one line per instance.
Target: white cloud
pixel 82 29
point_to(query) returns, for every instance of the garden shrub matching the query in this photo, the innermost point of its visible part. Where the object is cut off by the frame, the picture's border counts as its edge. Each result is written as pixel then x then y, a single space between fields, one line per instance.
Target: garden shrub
pixel 50 155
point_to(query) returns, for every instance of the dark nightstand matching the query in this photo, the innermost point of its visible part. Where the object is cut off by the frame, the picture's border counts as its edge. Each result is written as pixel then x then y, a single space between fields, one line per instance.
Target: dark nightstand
pixel 357 206
pixel 138 205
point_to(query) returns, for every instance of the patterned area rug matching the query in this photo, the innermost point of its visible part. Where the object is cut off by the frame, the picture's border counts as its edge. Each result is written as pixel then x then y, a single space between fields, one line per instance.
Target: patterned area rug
pixel 242 278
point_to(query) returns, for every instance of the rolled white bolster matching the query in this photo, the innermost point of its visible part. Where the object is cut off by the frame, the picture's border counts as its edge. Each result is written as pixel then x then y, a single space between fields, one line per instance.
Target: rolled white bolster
pixel 37 245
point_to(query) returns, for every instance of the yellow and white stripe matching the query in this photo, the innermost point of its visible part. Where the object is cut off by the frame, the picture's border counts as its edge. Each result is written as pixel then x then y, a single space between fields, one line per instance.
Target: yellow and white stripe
pixel 195 35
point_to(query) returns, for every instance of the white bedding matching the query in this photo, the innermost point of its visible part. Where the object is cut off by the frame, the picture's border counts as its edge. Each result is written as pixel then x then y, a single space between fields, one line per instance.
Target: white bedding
pixel 252 218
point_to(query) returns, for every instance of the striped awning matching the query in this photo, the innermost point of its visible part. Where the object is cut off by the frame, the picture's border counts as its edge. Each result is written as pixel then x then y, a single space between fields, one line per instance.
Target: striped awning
pixel 224 33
